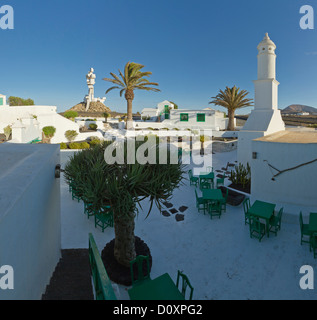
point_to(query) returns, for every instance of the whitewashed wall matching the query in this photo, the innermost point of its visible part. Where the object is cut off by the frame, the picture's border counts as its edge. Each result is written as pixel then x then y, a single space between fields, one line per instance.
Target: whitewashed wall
pixel 293 188
pixel 46 116
pixel 30 224
pixel 25 131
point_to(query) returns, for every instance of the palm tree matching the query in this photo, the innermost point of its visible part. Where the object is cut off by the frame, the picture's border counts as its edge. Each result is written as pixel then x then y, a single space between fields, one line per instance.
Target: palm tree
pixel 132 78
pixel 232 99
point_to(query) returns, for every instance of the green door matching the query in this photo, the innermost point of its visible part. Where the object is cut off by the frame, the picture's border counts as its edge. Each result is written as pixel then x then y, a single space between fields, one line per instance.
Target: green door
pixel 1 101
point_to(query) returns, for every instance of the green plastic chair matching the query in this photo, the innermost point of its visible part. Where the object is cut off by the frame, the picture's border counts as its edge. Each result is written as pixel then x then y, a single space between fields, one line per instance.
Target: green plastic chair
pixel 275 222
pixel 200 201
pixel 192 180
pixel 303 230
pixel 220 182
pixel 246 207
pixel 257 228
pixel 142 273
pixel 104 218
pixel 214 208
pixel 224 201
pixel 313 244
pixel 185 284
pixel 205 185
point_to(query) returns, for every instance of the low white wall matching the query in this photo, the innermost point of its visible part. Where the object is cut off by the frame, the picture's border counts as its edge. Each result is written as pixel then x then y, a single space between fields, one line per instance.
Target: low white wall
pixel 25 131
pixel 30 223
pixel 60 123
pixel 9 115
pixel 296 187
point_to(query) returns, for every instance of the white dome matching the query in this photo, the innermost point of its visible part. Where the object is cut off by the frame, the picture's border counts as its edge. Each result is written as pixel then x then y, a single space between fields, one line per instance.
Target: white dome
pixel 266 42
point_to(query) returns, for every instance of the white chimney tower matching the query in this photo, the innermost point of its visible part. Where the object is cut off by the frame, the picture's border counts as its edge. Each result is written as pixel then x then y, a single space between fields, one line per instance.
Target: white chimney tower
pixel 265 118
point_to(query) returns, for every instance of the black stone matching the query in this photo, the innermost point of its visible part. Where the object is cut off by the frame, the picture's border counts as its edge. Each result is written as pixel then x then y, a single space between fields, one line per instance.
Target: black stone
pixel 182 208
pixel 168 204
pixel 179 217
pixel 173 211
pixel 117 272
pixel 165 213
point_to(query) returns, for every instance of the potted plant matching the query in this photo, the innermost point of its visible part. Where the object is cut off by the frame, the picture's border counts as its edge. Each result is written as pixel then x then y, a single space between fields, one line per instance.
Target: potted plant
pixel 48 133
pixel 122 187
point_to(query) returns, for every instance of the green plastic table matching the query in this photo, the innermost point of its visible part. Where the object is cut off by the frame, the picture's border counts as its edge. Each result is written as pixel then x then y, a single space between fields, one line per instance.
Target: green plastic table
pixel 312 227
pixel 161 288
pixel 212 194
pixel 263 210
pixel 207 176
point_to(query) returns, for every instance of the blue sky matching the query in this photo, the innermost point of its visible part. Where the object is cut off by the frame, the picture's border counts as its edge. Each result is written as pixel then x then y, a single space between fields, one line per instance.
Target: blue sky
pixel 193 48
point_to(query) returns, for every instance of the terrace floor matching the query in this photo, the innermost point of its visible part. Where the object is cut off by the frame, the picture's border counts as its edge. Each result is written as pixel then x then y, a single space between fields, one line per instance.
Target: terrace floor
pixel 217 255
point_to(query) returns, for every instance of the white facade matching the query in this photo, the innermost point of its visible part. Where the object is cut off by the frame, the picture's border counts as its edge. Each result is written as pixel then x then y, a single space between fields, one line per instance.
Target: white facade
pixel 3 100
pixel 21 119
pixel 183 118
pixel 30 223
pixel 151 113
pixel 265 118
pixel 295 189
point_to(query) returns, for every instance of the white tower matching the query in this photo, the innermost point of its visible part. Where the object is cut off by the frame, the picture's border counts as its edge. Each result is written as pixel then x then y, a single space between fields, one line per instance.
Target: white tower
pixel 265 118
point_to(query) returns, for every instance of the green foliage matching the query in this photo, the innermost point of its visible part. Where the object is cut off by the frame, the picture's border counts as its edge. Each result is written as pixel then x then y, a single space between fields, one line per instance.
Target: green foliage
pixel 94 142
pixel 241 175
pixel 74 145
pixel 17 101
pixel 63 146
pixel 93 126
pixel 106 115
pixel 121 186
pixel 71 135
pixel 49 131
pixel 7 131
pixel 71 114
pixel 84 145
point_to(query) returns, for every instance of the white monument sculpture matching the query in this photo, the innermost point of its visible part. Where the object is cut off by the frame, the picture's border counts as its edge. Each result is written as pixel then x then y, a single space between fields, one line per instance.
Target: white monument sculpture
pixel 91 80
pixel 265 118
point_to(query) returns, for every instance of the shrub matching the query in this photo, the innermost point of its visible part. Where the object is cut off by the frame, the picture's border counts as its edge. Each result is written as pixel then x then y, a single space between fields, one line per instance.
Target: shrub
pixel 84 145
pixel 74 145
pixel 49 131
pixel 71 114
pixel 63 145
pixel 241 175
pixel 94 142
pixel 7 131
pixel 71 135
pixel 93 126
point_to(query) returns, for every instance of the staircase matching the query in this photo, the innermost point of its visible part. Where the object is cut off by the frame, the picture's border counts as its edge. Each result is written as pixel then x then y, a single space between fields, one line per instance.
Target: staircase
pixel 71 279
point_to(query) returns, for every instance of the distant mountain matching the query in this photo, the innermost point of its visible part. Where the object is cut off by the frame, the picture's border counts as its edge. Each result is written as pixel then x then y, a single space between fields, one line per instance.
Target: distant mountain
pixel 298 108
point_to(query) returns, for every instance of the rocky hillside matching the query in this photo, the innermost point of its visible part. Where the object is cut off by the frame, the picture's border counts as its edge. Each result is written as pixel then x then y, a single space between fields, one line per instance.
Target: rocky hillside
pixel 298 108
pixel 94 107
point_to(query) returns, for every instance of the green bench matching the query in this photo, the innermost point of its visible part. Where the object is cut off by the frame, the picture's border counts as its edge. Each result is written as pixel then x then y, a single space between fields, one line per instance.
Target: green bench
pixel 102 283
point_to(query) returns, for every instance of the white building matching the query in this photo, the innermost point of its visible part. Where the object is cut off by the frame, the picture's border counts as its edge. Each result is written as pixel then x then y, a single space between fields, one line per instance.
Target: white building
pixel 185 119
pixel 283 162
pixel 265 118
pixel 28 121
pixel 162 110
pixel 3 100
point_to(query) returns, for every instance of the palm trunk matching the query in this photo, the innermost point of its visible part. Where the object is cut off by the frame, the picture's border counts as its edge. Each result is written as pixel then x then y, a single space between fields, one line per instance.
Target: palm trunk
pixel 231 120
pixel 124 247
pixel 129 114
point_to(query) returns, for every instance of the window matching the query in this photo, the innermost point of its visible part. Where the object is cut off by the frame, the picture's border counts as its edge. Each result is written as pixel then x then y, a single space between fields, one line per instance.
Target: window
pixel 201 117
pixel 184 117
